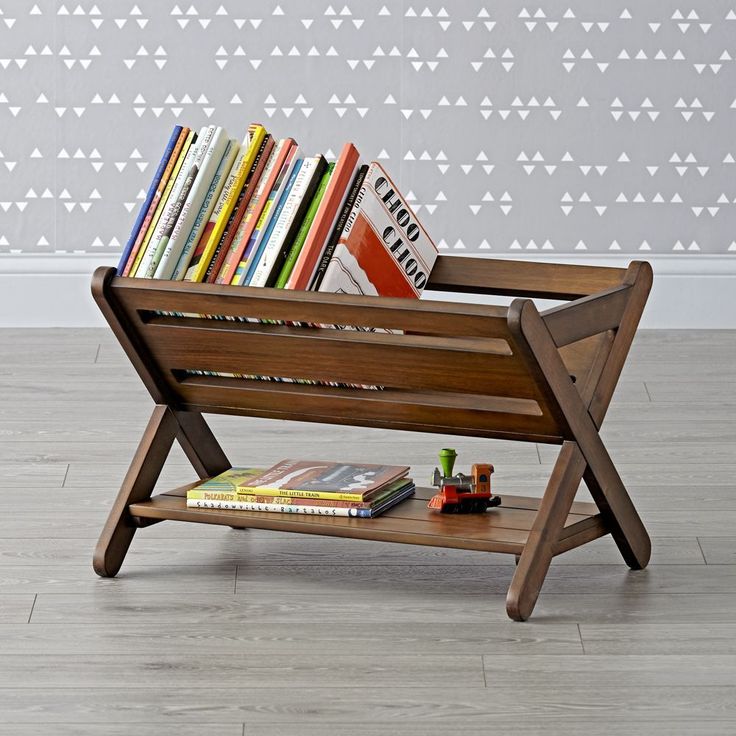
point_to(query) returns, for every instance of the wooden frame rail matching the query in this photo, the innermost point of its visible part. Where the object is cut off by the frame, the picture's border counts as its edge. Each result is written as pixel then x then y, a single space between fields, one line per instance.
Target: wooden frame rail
pixel 442 366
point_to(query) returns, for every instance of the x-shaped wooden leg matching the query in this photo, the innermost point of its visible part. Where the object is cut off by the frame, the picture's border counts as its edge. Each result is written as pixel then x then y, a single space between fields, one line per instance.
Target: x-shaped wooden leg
pixel 165 425
pixel 584 456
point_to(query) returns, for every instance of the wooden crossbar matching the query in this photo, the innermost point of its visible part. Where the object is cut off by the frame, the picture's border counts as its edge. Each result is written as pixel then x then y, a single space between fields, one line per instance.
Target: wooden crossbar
pixel 445 367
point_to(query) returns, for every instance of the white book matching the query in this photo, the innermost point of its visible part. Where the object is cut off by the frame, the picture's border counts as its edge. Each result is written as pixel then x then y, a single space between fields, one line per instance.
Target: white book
pixel 171 211
pixel 207 163
pixel 232 149
pixel 282 226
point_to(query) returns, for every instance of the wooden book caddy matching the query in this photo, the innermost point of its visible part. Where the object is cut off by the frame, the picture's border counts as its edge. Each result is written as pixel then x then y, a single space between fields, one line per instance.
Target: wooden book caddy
pixel 455 368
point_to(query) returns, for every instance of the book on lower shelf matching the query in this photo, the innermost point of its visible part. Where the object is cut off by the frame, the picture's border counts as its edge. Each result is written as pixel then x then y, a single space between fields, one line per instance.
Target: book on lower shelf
pixel 321 488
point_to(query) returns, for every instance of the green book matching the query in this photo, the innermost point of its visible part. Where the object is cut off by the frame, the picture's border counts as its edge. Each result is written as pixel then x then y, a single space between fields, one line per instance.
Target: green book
pixel 301 236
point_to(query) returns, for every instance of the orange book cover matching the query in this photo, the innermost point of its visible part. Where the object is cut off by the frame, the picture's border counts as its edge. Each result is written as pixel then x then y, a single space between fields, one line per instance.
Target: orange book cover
pixel 324 220
pixel 383 249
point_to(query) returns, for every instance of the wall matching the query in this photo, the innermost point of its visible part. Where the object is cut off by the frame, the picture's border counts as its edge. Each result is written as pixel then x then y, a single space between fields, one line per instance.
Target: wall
pixel 568 131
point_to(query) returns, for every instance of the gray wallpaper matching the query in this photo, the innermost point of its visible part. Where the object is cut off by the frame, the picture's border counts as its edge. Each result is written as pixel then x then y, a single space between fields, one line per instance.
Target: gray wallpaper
pixel 542 126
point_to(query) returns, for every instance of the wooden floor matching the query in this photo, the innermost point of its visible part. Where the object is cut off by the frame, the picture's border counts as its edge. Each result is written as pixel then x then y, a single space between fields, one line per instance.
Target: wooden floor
pixel 212 631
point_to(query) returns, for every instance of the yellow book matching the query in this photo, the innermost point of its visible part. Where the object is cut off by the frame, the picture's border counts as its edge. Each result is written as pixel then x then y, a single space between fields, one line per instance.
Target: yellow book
pixel 162 203
pixel 230 192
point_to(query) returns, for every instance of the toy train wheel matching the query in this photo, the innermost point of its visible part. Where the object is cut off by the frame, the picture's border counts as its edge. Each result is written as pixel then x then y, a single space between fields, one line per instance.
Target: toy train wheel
pixel 450 508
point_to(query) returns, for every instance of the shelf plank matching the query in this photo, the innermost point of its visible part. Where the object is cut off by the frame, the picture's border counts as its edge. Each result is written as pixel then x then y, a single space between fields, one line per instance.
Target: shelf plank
pixel 502 529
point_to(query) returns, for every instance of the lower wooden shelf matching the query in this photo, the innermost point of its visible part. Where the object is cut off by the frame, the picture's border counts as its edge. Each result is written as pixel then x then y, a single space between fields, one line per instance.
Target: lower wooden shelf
pixel 502 529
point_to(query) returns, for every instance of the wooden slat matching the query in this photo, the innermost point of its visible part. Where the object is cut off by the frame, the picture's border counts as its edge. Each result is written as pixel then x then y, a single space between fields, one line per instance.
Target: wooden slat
pixel 410 315
pixel 323 355
pixel 429 412
pixel 521 278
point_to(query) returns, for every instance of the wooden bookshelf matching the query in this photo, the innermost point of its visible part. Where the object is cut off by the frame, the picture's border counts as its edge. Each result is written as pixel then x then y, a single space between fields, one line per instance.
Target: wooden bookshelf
pixel 451 368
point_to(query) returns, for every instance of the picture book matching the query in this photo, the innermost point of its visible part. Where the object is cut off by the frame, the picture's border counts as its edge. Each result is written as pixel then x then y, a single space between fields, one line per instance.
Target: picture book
pixel 207 164
pixel 306 224
pixel 325 218
pixel 153 206
pixel 152 189
pixel 309 478
pixel 383 249
pixel 237 250
pixel 192 247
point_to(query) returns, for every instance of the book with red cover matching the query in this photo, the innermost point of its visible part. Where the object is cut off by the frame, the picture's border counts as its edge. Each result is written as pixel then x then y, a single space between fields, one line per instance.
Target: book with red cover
pixel 324 220
pixel 383 249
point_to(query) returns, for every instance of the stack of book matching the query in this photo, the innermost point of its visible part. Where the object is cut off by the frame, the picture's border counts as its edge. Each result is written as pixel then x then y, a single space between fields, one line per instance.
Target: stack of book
pixel 313 487
pixel 262 213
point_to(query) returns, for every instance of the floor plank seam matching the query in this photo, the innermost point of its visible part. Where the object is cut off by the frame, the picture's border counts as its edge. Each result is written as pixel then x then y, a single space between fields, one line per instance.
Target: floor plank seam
pixel 580 635
pixel 646 388
pixel 33 605
pixel 702 552
pixel 66 473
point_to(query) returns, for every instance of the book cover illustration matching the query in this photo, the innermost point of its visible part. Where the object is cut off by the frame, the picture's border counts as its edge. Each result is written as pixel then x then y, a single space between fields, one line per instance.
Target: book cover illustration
pixel 318 476
pixel 383 249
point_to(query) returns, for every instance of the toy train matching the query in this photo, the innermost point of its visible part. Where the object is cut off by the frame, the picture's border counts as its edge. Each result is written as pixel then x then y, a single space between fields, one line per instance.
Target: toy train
pixel 462 494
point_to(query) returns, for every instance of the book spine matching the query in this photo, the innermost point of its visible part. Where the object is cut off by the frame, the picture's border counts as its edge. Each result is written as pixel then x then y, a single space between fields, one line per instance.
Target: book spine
pixel 192 246
pixel 279 508
pixel 241 207
pixel 178 197
pixel 236 252
pixel 229 195
pixel 253 249
pixel 207 164
pixel 337 230
pixel 155 207
pixel 197 494
pixel 151 226
pixel 293 225
pixel 324 220
pixel 283 216
pixel 152 189
pixel 301 236
pixel 292 493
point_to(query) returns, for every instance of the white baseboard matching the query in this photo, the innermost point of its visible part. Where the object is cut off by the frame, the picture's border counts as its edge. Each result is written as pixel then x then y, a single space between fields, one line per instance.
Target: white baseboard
pixel 690 291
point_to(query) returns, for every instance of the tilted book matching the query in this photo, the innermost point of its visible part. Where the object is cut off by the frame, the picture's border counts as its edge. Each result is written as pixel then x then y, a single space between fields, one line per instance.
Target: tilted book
pixel 192 247
pixel 207 163
pixel 383 249
pixel 152 189
pixel 241 209
pixel 325 218
pixel 153 205
pixel 161 206
pixel 170 214
pixel 287 220
pixel 228 197
pixel 304 228
pixel 237 251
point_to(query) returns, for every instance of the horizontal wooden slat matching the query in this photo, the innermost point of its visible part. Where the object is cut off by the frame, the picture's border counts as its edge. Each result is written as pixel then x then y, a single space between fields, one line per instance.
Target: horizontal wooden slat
pixel 409 315
pixel 521 278
pixel 323 355
pixel 484 416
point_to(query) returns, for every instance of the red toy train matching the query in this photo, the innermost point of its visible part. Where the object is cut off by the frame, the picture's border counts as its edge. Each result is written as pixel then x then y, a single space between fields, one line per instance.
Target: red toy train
pixel 462 494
